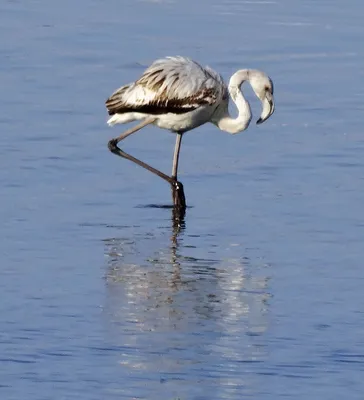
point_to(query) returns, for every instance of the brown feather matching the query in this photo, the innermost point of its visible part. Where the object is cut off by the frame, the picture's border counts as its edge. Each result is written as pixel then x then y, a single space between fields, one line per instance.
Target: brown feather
pixel 157 91
pixel 162 105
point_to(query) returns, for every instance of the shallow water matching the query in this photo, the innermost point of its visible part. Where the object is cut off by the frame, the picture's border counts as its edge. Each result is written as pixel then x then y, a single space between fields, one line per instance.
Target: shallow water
pixel 259 294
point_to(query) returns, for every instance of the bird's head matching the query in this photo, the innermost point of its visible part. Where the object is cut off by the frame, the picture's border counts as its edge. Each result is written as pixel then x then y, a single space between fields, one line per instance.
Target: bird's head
pixel 263 88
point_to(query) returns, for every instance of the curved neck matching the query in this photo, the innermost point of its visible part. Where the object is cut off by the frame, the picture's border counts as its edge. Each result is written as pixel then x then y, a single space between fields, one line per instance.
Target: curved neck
pixel 225 121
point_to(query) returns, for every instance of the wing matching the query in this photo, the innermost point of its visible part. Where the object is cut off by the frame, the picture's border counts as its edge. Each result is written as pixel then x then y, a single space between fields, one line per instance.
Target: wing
pixel 170 85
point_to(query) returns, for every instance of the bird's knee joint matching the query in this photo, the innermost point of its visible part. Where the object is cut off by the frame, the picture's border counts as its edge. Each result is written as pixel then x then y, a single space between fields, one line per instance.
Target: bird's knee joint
pixel 112 145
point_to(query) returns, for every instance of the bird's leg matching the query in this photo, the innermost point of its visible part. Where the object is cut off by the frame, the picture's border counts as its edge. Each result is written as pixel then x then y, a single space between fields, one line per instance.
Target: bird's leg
pixel 155 171
pixel 136 128
pixel 178 194
pixel 176 155
pixel 116 150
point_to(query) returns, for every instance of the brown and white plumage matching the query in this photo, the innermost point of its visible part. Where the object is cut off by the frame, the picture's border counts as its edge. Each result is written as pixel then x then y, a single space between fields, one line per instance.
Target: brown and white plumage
pixel 178 94
pixel 182 95
pixel 172 85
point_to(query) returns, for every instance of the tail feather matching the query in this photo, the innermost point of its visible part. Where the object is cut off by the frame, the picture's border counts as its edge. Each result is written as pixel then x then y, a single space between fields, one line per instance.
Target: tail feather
pixel 115 103
pixel 115 119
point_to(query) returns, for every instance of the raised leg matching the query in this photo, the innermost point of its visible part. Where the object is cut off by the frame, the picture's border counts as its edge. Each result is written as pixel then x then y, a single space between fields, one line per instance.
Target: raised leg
pixel 178 195
pixel 136 128
pixel 116 150
pixel 176 155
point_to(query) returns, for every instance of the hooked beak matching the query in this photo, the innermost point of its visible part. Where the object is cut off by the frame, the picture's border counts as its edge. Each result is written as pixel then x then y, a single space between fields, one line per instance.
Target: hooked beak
pixel 268 108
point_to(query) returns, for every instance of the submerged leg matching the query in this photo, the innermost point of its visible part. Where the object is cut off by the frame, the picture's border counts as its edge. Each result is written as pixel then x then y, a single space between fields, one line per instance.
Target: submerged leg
pixel 176 155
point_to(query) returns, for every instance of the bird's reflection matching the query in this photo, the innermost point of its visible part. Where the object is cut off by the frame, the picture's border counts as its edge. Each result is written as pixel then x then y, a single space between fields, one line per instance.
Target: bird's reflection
pixel 142 276
pixel 174 300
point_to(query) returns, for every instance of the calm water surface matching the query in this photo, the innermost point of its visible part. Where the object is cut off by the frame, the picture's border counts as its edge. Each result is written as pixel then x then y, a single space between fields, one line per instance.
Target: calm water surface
pixel 260 293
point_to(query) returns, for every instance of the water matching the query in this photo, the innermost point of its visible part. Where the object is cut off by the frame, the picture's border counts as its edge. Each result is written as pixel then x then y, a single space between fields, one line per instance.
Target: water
pixel 260 293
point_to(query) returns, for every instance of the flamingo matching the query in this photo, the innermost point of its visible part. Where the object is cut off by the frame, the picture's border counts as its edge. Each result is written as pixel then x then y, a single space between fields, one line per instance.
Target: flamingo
pixel 178 94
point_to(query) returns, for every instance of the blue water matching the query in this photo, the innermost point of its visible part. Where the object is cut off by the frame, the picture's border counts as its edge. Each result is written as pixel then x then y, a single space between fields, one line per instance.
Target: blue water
pixel 260 293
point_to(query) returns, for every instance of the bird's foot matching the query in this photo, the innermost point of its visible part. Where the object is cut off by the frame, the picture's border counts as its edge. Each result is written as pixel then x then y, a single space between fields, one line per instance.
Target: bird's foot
pixel 178 195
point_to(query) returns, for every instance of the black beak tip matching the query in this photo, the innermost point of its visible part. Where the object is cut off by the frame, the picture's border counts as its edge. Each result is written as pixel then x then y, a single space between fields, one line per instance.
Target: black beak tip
pixel 260 121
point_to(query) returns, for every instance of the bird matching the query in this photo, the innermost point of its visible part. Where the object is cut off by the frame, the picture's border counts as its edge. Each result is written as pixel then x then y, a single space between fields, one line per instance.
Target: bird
pixel 178 94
